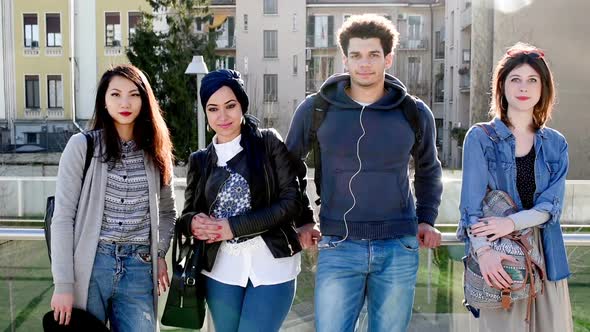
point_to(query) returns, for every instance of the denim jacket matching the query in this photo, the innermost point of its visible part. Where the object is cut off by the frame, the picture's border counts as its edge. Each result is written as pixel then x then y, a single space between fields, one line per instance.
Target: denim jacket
pixel 551 167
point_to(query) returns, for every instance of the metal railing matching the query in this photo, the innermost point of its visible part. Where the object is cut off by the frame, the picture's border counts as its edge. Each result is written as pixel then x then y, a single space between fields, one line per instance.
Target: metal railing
pixel 448 238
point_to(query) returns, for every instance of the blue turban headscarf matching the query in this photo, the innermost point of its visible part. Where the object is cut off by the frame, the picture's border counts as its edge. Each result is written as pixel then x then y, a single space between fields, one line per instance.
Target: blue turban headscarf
pixel 224 77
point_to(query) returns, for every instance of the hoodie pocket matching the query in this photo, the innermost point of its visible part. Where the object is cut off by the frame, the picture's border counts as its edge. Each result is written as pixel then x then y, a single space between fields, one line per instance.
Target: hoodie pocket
pixel 378 195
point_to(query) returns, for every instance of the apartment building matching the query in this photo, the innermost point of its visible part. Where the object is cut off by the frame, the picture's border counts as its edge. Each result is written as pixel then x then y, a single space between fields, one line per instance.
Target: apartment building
pixel 52 55
pixel 479 33
pixel 286 49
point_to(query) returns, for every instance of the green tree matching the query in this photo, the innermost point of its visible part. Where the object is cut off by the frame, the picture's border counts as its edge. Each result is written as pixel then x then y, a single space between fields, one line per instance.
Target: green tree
pixel 164 56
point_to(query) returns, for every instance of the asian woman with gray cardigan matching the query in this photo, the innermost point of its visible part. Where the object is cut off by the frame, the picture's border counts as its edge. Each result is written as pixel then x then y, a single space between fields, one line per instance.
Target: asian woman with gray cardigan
pixel 105 234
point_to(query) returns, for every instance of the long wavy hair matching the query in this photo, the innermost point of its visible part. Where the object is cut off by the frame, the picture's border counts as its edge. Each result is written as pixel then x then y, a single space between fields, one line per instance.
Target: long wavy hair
pixel 516 56
pixel 150 132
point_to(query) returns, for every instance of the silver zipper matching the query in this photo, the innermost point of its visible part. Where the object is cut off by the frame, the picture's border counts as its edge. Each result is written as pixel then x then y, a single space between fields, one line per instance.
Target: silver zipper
pixel 288 244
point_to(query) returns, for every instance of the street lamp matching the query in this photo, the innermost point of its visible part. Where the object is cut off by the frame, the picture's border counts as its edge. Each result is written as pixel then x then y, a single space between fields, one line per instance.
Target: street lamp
pixel 199 68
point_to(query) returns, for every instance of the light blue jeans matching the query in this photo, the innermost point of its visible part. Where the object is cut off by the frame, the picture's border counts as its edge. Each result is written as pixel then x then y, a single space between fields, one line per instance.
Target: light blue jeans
pixel 381 271
pixel 249 309
pixel 121 287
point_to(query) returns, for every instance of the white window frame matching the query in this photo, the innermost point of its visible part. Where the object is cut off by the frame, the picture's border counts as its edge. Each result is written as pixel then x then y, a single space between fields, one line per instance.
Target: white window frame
pixel 120 40
pixel 270 42
pixel 32 32
pixel 54 37
pixel 59 95
pixel 266 98
pixel 38 91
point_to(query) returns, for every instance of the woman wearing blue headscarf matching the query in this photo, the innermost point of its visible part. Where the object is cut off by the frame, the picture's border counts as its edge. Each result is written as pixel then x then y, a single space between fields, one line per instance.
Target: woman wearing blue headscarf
pixel 241 198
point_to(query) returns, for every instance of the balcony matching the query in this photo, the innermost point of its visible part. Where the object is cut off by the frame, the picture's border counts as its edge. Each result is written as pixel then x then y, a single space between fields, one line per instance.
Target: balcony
pixel 418 88
pixel 413 44
pixel 466 17
pixel 31 51
pixel 465 83
pixel 55 113
pixel 33 113
pixel 53 51
pixel 311 42
pixel 113 50
pixel 226 43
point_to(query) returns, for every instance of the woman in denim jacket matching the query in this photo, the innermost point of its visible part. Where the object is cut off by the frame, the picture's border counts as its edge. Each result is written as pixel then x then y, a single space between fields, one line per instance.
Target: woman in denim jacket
pixel 534 161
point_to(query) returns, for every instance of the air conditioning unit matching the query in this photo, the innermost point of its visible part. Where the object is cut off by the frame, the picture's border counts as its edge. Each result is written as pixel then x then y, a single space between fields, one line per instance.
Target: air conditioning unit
pixel 402 17
pixel 308 54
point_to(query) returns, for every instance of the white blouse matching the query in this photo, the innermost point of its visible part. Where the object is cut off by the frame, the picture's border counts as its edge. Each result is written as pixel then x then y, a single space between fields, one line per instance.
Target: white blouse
pixel 236 263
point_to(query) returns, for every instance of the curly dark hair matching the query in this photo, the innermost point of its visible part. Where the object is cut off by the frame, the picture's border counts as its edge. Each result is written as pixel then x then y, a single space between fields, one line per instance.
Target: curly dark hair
pixel 368 26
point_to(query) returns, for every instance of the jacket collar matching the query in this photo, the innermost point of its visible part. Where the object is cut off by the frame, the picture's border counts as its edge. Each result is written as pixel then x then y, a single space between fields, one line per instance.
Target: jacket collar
pixel 504 132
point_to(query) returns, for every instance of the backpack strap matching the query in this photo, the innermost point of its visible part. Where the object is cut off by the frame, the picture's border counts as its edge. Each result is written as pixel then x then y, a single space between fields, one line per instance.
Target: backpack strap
pixel 410 111
pixel 320 107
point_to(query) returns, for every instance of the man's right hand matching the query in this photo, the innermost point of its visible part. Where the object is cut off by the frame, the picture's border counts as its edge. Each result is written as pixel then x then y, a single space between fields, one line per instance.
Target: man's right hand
pixel 309 235
pixel 62 308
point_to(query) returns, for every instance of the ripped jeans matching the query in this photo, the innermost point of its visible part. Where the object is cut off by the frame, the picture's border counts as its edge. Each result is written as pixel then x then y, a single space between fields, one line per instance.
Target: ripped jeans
pixel 121 287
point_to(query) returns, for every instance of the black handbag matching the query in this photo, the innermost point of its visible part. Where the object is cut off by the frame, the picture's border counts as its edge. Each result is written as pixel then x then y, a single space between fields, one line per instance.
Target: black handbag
pixel 185 306
pixel 50 205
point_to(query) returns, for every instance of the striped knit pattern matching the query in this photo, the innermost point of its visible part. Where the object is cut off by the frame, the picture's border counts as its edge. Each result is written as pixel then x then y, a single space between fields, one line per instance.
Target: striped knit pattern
pixel 126 217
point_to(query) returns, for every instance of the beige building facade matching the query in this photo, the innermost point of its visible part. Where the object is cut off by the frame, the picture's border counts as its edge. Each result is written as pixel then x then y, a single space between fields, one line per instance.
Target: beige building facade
pixel 559 28
pixel 287 49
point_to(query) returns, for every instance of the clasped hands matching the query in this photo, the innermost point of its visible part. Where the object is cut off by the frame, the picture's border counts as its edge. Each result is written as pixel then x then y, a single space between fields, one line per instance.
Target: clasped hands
pixel 490 260
pixel 210 229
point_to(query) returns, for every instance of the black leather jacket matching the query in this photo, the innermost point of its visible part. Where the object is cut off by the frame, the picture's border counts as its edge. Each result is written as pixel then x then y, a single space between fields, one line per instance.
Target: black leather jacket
pixel 275 199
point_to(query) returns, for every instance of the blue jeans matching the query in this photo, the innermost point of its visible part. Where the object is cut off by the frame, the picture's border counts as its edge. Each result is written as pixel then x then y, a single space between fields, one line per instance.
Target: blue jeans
pixel 249 309
pixel 121 287
pixel 382 271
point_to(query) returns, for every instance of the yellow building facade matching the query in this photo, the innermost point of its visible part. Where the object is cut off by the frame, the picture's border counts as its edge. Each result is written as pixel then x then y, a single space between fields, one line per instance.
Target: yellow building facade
pixel 52 70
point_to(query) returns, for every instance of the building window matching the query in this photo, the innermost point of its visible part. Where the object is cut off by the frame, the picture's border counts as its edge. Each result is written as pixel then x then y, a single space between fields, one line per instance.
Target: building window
pixel 270 7
pixel 32 92
pixel 439 45
pixel 55 91
pixel 134 18
pixel 413 70
pixel 270 88
pixel 414 31
pixel 31 27
pixel 439 131
pixel 320 69
pixel 439 94
pixel 451 38
pixel 52 23
pixel 295 65
pixel 226 39
pixel 270 44
pixel 320 31
pixel 245 22
pixel 112 29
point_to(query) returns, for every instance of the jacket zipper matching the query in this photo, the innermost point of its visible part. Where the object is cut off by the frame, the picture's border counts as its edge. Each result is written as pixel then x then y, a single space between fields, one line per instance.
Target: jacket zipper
pixel 287 239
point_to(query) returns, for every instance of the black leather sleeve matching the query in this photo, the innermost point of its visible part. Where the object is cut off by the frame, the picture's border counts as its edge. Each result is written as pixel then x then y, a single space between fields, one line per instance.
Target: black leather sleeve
pixel 192 179
pixel 285 204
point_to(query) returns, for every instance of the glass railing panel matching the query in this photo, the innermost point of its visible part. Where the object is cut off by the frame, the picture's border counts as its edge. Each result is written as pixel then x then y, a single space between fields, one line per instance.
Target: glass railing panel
pixel 26 288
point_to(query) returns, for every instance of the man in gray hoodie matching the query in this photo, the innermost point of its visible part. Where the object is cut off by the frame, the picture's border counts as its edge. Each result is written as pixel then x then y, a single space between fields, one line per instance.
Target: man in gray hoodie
pixel 371 227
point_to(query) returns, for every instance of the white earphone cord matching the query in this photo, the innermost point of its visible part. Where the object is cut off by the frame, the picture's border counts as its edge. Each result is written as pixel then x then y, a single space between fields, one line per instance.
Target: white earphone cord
pixel 358 156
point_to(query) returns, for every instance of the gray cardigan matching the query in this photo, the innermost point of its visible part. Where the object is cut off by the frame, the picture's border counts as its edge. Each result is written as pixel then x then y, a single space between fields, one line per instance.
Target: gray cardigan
pixel 74 236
